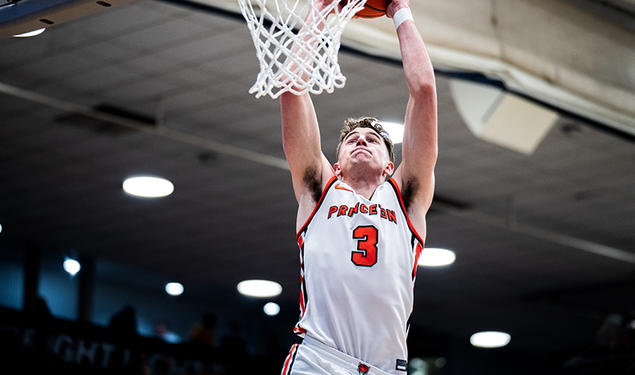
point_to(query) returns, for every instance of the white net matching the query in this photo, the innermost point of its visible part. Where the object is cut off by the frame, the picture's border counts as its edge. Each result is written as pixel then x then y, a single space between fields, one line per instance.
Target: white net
pixel 297 43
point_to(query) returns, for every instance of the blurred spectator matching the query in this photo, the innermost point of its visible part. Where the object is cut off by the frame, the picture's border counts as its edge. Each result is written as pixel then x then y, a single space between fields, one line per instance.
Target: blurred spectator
pixel 39 313
pixel 162 331
pixel 40 317
pixel 34 354
pixel 233 351
pixel 274 354
pixel 203 332
pixel 123 324
pixel 614 333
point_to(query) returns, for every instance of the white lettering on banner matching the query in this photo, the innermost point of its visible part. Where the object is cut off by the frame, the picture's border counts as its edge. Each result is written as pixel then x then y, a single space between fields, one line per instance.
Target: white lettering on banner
pixel 96 353
pixel 64 348
pixel 61 339
pixel 108 348
pixel 83 351
pixel 29 333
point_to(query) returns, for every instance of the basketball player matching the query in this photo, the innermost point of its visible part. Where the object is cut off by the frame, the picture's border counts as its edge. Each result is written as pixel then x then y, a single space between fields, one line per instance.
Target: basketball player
pixel 361 231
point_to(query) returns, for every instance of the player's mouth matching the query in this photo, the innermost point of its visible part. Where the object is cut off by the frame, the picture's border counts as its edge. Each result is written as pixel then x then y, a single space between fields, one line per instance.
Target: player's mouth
pixel 361 149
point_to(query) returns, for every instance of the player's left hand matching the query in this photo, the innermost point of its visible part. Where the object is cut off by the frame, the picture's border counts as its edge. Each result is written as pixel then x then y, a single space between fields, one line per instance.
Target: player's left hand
pixel 395 5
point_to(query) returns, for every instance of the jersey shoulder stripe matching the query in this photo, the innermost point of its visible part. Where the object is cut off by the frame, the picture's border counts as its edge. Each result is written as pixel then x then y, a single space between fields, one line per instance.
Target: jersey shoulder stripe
pixel 394 185
pixel 317 205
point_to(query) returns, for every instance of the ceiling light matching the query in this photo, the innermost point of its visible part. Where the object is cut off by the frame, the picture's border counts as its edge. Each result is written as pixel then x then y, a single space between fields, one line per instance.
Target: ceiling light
pixel 30 33
pixel 632 324
pixel 271 309
pixel 436 257
pixel 174 288
pixel 490 339
pixel 259 288
pixel 148 187
pixel 71 266
pixel 395 131
pixel 0 228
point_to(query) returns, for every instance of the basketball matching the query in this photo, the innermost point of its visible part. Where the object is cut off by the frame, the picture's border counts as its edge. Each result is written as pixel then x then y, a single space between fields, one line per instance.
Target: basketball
pixel 373 9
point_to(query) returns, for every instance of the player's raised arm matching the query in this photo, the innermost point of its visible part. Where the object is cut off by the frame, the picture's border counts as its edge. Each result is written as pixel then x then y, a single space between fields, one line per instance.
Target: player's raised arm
pixel 301 135
pixel 302 147
pixel 415 175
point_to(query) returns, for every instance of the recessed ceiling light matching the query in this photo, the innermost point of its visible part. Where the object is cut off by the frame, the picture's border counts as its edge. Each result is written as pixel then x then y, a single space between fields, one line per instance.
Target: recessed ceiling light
pixel 436 257
pixel 30 33
pixel 174 288
pixel 395 131
pixel 259 288
pixel 71 266
pixel 490 339
pixel 271 309
pixel 148 187
pixel 0 228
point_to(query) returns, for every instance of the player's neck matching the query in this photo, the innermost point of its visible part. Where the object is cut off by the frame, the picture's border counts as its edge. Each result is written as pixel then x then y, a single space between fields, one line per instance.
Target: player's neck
pixel 363 185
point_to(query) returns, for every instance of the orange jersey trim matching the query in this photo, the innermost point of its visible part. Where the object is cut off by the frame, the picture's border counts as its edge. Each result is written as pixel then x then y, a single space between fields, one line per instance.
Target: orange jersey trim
pixel 338 186
pixel 317 205
pixel 403 208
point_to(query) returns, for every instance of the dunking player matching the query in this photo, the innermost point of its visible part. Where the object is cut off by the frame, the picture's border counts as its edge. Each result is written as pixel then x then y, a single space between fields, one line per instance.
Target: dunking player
pixel 360 232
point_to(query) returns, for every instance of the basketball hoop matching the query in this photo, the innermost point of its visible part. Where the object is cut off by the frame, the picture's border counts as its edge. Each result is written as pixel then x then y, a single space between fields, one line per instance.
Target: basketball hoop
pixel 297 44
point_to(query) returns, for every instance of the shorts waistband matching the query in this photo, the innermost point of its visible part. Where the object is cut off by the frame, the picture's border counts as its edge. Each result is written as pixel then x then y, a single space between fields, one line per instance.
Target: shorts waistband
pixel 342 356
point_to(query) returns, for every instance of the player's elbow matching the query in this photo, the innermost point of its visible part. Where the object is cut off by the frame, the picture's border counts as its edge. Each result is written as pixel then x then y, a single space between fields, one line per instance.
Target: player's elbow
pixel 423 89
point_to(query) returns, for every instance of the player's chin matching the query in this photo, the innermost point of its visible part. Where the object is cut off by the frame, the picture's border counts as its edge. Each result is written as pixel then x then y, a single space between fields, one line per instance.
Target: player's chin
pixel 364 162
pixel 362 159
pixel 362 153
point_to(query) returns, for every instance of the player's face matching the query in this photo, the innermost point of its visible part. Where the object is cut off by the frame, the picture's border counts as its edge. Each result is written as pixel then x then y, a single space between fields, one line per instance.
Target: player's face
pixel 363 146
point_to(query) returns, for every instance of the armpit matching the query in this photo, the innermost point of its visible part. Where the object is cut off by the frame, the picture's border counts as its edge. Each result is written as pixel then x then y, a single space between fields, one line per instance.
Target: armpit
pixel 313 181
pixel 410 188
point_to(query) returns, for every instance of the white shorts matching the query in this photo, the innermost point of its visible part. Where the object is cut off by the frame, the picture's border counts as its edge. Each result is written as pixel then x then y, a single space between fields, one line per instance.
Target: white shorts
pixel 312 357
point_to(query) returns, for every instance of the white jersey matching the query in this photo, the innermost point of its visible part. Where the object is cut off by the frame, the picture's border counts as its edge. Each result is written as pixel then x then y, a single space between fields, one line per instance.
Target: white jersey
pixel 358 261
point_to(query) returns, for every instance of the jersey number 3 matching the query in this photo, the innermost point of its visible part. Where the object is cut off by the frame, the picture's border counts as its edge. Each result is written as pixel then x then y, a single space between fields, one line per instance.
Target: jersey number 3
pixel 366 253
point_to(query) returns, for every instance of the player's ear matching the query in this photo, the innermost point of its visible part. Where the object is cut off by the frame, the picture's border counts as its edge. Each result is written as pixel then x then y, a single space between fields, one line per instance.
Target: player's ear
pixel 389 168
pixel 337 169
